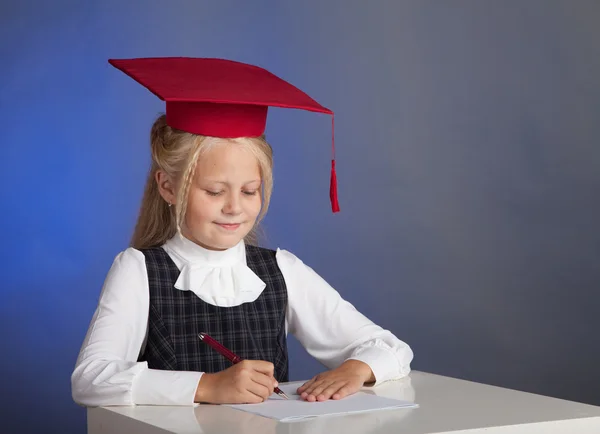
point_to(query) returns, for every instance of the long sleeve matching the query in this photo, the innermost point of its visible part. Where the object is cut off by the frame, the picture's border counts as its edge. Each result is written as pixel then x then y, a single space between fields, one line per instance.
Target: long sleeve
pixel 107 371
pixel 332 330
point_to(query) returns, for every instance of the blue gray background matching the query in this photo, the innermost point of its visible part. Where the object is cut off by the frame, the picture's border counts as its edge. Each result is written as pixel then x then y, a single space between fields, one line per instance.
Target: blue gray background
pixel 468 162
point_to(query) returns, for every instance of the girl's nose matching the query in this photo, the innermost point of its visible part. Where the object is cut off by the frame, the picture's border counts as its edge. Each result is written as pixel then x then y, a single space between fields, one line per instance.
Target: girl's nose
pixel 232 205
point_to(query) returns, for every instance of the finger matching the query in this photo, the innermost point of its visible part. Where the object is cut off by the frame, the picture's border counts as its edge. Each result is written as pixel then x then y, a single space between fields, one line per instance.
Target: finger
pixel 261 372
pixel 265 381
pixel 259 390
pixel 318 389
pixel 306 385
pixel 318 381
pixel 266 368
pixel 343 392
pixel 251 398
pixel 311 387
pixel 304 391
pixel 331 390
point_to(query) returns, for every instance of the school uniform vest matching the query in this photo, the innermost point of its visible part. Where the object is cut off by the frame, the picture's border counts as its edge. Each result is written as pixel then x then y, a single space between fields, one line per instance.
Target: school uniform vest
pixel 254 330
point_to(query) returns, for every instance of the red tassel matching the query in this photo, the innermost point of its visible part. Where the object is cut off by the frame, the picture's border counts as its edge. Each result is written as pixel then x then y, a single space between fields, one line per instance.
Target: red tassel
pixel 335 206
pixel 333 194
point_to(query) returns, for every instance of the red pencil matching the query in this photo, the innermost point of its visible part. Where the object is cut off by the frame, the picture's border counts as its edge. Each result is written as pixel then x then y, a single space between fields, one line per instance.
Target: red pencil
pixel 204 337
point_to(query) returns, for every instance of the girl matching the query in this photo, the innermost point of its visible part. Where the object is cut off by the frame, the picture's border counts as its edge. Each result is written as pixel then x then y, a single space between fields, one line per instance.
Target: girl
pixel 193 265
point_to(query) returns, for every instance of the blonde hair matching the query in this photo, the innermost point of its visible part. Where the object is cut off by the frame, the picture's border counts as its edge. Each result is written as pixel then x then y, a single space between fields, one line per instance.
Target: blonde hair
pixel 176 153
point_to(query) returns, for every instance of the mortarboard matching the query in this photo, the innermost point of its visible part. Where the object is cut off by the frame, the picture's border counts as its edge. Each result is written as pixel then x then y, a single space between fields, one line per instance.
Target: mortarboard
pixel 220 98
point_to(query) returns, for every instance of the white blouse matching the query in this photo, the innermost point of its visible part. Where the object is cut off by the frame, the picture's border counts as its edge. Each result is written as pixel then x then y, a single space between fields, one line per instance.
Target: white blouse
pixel 330 329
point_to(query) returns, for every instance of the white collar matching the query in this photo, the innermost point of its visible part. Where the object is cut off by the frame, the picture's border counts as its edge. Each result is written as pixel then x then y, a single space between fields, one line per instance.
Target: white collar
pixel 221 278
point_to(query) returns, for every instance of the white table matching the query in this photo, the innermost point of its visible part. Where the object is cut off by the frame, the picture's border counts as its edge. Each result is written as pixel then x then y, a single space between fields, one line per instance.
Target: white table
pixel 446 405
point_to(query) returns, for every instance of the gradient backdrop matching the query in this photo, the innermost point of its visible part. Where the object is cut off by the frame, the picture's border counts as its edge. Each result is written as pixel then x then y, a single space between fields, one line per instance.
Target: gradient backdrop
pixel 468 163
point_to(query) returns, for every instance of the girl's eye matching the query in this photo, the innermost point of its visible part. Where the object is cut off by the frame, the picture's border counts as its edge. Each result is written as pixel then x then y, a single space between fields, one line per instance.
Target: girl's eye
pixel 214 193
pixel 250 193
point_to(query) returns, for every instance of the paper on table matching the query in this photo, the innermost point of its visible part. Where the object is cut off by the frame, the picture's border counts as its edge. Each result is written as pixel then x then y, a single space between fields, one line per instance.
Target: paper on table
pixel 296 409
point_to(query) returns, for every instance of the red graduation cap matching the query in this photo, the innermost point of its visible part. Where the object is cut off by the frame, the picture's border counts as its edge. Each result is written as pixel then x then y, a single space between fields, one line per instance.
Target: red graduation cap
pixel 220 98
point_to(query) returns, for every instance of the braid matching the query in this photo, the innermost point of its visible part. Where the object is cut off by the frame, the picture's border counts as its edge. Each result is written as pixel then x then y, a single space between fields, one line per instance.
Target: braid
pixel 187 177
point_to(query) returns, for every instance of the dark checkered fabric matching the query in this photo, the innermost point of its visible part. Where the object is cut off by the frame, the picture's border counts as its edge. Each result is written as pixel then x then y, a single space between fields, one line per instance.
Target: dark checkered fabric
pixel 254 331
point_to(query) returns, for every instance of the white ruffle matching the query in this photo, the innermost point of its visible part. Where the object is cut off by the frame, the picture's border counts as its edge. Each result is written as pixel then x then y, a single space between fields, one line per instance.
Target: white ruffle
pixel 220 278
pixel 226 286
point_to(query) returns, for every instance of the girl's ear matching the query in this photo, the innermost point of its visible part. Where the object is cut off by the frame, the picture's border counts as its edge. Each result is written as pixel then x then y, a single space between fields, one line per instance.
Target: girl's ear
pixel 166 187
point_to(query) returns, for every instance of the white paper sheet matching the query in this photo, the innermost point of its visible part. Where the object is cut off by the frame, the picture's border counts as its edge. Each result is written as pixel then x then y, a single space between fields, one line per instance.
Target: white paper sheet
pixel 297 409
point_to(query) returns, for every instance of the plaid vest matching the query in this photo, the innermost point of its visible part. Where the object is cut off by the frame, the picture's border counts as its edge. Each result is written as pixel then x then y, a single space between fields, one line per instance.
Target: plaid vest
pixel 254 331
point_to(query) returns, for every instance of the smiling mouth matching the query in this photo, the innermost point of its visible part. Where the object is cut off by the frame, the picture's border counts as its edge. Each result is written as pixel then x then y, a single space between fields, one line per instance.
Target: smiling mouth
pixel 229 226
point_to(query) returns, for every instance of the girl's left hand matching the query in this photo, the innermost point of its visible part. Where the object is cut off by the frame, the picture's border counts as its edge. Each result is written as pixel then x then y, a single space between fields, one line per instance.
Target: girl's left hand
pixel 337 383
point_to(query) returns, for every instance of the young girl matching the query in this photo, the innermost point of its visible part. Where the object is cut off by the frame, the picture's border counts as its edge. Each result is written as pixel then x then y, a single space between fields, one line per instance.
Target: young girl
pixel 193 265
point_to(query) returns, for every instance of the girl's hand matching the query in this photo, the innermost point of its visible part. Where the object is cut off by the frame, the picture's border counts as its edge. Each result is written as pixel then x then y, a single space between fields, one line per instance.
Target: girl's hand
pixel 338 383
pixel 247 382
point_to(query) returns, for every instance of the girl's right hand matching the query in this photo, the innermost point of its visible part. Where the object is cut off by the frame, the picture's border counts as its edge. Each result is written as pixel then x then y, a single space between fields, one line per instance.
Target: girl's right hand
pixel 247 382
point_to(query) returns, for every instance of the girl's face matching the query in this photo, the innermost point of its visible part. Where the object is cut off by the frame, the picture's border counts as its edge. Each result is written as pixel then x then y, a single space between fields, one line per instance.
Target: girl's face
pixel 224 197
